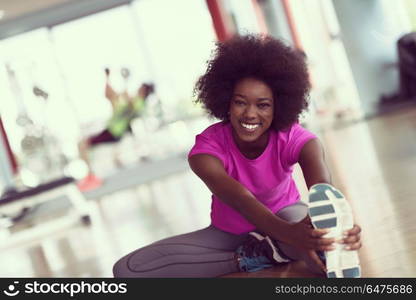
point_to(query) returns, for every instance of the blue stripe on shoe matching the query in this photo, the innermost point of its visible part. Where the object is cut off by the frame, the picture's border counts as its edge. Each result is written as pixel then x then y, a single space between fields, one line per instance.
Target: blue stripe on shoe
pixel 331 275
pixel 317 197
pixel 338 194
pixel 351 273
pixel 321 210
pixel 321 187
pixel 328 223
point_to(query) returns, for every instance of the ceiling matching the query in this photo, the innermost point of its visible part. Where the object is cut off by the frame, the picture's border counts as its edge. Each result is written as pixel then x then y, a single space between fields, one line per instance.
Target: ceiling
pixel 20 16
pixel 16 8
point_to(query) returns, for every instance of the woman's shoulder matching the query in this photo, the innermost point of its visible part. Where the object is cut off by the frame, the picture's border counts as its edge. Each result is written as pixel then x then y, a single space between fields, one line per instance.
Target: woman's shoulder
pixel 293 131
pixel 211 140
pixel 295 127
pixel 216 135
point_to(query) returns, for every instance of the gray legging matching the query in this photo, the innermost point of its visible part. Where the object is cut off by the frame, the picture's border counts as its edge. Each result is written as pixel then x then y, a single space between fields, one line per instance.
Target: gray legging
pixel 209 252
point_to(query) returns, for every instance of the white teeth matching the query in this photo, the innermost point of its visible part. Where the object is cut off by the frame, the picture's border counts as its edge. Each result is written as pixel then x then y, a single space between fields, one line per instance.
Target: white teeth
pixel 250 126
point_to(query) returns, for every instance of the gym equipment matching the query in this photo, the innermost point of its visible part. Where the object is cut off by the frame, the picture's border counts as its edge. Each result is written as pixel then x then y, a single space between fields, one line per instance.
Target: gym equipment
pixel 16 206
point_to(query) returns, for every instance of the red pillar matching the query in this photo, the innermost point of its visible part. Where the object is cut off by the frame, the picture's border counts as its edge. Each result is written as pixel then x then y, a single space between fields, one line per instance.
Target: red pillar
pixel 220 19
pixel 292 26
pixel 260 17
pixel 12 159
pixel 294 32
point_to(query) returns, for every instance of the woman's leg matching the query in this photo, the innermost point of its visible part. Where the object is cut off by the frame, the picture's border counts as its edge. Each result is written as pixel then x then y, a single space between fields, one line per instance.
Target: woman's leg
pixel 294 214
pixel 208 252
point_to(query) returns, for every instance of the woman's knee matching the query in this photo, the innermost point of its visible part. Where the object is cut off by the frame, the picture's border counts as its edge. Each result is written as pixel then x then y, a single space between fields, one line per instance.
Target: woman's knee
pixel 130 264
pixel 121 268
pixel 294 213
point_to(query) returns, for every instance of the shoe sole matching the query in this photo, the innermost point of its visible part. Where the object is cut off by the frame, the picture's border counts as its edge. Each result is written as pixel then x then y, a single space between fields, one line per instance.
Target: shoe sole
pixel 328 209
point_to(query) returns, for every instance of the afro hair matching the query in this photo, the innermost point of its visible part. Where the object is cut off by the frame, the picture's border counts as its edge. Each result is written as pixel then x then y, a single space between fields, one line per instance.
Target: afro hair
pixel 261 57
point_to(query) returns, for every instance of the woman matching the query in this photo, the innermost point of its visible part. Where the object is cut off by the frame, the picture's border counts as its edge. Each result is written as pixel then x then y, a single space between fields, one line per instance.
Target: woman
pixel 125 109
pixel 257 87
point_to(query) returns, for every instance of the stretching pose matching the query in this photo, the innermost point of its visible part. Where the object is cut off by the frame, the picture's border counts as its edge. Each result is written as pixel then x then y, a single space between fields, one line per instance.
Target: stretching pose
pixel 125 109
pixel 257 86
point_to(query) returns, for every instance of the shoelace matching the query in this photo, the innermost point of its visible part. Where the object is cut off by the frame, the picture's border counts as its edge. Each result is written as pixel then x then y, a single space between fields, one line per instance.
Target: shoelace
pixel 253 248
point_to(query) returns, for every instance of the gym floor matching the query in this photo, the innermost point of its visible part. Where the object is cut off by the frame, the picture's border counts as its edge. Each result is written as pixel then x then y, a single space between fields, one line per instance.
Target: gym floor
pixel 372 162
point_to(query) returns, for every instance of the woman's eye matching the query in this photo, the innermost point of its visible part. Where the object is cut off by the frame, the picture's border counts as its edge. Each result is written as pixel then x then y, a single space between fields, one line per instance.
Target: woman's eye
pixel 239 102
pixel 264 105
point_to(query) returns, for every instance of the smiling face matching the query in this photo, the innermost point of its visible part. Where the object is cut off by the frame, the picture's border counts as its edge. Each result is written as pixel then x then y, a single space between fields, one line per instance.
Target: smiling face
pixel 251 113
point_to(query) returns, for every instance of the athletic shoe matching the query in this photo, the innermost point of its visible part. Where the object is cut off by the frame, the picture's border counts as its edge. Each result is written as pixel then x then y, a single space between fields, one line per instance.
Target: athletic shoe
pixel 272 249
pixel 329 209
pixel 258 253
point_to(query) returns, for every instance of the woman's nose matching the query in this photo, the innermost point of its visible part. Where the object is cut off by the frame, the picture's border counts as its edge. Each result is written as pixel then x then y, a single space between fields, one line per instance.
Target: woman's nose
pixel 250 112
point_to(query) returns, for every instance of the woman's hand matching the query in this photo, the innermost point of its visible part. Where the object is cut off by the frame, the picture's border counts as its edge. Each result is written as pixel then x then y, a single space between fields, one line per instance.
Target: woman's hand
pixel 352 238
pixel 302 235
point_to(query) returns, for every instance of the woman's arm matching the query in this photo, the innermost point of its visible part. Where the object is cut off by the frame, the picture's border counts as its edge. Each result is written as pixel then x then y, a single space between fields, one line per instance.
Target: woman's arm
pixel 233 193
pixel 312 163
